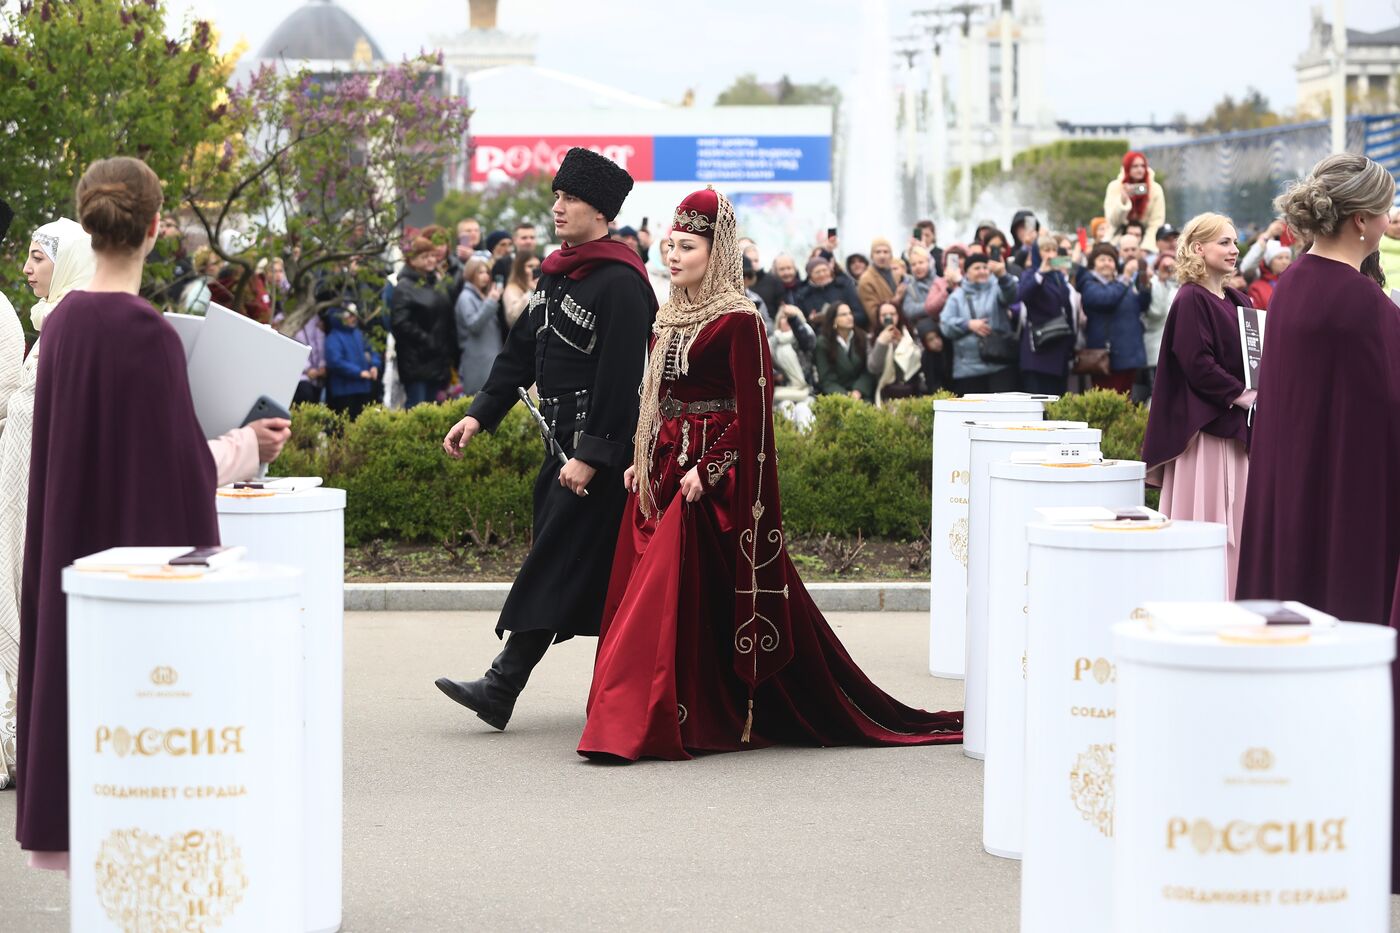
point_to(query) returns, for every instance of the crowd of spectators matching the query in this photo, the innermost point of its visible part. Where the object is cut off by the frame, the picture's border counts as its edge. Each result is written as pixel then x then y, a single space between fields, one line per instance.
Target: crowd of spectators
pixel 1024 308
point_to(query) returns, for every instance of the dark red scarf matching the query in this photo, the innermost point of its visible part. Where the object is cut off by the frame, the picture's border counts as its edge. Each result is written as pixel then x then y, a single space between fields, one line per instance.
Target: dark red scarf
pixel 1139 201
pixel 577 262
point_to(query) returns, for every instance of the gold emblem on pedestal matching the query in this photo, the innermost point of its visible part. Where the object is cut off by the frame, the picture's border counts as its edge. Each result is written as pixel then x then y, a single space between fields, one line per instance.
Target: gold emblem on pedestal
pixel 153 884
pixel 1091 787
pixel 1257 759
pixel 957 540
pixel 164 676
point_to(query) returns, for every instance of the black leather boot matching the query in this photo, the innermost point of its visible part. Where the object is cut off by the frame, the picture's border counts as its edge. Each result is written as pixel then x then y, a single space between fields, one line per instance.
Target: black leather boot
pixel 492 697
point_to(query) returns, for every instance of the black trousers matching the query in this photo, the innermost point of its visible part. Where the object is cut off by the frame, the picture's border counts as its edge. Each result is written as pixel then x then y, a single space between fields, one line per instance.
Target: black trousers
pixel 1042 383
pixel 350 405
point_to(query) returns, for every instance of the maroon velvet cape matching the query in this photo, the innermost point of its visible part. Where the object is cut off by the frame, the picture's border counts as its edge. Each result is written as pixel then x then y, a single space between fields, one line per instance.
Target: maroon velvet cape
pixel 706 620
pixel 1322 510
pixel 1199 374
pixel 119 460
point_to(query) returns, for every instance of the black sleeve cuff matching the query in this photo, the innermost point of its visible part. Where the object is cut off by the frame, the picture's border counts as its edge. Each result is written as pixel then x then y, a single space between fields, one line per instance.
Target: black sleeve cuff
pixel 489 410
pixel 600 453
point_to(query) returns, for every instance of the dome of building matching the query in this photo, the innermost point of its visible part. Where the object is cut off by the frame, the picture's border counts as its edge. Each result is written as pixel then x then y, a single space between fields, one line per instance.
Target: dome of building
pixel 320 30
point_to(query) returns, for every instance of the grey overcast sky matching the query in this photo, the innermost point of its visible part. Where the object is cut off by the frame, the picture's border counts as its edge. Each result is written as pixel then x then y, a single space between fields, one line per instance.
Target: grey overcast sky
pixel 1106 60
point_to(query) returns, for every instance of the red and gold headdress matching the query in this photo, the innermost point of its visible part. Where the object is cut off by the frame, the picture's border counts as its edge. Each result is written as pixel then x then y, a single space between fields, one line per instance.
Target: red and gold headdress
pixel 698 214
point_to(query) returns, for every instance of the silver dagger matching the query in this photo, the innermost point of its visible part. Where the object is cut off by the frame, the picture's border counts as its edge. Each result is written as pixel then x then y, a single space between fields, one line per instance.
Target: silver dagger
pixel 550 443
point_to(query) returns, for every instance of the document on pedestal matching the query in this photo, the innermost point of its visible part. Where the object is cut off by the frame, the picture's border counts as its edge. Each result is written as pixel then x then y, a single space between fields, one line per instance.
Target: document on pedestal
pixel 130 559
pixel 1251 342
pixel 281 485
pixel 236 361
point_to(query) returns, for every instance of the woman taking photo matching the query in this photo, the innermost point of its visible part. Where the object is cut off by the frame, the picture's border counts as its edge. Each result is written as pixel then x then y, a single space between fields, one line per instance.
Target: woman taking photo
pixel 1113 306
pixel 1322 520
pixel 1197 427
pixel 896 356
pixel 977 317
pixel 479 336
pixel 1047 338
pixel 518 287
pixel 709 641
pixel 841 356
pixel 1135 195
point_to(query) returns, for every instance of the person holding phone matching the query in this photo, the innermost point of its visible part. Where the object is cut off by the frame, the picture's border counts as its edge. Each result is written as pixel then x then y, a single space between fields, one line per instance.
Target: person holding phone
pixel 1047 339
pixel 896 357
pixel 1113 304
pixel 1165 285
pixel 1135 195
pixel 524 270
pixel 979 306
pixel 478 334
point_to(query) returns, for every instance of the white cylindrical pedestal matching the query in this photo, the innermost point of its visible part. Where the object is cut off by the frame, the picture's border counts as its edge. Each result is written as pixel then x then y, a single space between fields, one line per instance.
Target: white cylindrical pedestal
pixel 1016 491
pixel 185 751
pixel 307 530
pixel 947 632
pixel 988 442
pixel 1081 581
pixel 1253 781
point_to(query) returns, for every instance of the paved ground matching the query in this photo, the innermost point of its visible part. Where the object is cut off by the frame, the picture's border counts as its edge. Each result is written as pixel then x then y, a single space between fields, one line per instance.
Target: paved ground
pixel 451 826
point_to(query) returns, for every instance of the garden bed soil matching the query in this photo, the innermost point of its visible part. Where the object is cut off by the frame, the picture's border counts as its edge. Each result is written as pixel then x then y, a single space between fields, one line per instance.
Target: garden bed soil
pixel 818 559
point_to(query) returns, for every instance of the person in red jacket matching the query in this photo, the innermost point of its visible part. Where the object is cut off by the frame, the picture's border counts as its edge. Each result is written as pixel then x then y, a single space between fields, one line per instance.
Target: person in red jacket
pixel 1277 257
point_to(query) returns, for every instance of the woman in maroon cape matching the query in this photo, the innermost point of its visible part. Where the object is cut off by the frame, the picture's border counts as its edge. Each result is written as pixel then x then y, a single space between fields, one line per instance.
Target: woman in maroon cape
pixel 709 640
pixel 1197 429
pixel 118 459
pixel 1322 514
pixel 1322 517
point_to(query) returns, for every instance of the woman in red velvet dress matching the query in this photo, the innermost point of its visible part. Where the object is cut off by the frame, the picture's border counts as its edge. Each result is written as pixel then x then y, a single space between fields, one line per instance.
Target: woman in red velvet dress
pixel 709 640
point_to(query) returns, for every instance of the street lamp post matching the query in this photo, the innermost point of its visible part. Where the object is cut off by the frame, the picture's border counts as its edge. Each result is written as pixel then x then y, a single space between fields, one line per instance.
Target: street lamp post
pixel 1007 76
pixel 1339 76
pixel 965 114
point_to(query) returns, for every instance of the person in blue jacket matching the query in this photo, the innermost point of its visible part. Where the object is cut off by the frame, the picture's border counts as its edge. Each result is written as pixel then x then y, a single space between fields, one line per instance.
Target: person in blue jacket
pixel 351 365
pixel 1113 303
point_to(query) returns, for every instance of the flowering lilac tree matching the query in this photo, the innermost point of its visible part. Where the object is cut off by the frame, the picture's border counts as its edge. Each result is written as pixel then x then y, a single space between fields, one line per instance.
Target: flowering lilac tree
pixel 81 80
pixel 320 171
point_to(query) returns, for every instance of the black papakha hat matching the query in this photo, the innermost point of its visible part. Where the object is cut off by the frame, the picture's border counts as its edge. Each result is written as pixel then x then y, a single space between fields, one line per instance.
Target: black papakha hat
pixel 6 215
pixel 596 179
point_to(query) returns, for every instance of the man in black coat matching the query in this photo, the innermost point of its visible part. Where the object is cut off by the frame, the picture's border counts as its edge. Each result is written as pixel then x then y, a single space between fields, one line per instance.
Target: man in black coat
pixel 582 341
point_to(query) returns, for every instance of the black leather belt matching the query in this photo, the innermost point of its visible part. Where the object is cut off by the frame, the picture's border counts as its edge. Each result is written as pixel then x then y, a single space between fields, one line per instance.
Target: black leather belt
pixel 674 407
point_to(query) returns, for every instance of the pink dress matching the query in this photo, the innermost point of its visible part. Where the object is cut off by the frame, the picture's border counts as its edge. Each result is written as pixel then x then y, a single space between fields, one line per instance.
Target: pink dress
pixel 1206 484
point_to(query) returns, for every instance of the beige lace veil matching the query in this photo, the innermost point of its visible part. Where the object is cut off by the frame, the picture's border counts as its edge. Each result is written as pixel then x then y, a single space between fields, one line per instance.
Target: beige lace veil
pixel 678 323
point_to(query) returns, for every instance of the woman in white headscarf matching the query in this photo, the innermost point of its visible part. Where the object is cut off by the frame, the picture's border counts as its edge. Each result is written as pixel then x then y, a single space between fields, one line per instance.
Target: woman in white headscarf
pixel 60 261
pixel 11 335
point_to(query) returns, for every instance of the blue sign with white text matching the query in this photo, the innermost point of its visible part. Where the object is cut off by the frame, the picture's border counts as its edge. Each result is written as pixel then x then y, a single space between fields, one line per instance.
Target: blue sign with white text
pixel 742 158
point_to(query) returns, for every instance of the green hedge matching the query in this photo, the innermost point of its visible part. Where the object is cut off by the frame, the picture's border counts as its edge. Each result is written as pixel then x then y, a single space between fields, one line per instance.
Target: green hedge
pixel 857 470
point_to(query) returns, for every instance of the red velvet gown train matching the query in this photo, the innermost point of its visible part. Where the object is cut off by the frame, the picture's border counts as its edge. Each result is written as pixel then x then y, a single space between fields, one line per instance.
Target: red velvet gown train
pixel 709 640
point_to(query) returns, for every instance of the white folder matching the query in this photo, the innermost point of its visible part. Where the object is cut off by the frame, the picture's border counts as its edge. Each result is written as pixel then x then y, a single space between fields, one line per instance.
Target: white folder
pixel 235 361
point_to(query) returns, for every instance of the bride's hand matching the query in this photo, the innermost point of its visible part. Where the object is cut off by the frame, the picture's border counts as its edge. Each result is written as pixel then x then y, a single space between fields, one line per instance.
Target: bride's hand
pixel 629 479
pixel 691 485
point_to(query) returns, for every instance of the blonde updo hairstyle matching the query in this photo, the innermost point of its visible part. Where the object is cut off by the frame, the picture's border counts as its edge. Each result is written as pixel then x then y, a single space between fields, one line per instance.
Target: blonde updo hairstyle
pixel 1338 187
pixel 118 200
pixel 1203 228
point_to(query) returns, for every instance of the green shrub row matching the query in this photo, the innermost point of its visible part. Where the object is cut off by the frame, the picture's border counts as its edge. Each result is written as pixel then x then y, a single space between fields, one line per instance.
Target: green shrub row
pixel 858 469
